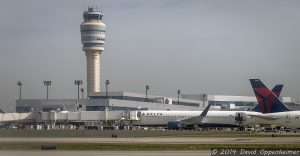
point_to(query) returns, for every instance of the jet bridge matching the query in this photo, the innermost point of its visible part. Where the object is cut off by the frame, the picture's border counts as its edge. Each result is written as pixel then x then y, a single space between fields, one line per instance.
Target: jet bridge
pixel 53 117
pixel 134 115
pixel 82 116
pixel 7 117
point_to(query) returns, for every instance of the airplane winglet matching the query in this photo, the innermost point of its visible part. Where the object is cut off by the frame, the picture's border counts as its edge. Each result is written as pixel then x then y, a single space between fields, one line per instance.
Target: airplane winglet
pixel 197 119
pixel 204 112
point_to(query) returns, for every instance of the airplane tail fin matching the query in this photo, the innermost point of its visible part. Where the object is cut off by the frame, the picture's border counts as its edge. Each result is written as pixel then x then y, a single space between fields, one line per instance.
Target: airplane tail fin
pixel 277 89
pixel 268 102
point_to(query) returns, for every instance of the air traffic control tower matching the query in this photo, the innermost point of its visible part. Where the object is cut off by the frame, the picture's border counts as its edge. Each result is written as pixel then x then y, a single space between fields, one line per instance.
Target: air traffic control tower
pixel 93 39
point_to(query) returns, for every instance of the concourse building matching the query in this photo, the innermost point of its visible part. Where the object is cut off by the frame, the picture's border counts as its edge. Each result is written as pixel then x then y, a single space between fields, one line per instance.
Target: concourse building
pixel 134 101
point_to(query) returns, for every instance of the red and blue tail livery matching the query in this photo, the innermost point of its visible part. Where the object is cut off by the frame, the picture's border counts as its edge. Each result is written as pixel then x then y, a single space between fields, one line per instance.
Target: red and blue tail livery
pixel 276 90
pixel 268 100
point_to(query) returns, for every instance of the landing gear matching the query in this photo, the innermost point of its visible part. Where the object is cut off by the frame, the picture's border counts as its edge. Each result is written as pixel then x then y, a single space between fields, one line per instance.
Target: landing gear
pixel 241 128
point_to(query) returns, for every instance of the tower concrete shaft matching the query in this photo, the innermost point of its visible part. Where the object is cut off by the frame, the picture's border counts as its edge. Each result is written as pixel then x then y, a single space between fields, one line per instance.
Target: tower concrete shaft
pixel 93 71
pixel 93 39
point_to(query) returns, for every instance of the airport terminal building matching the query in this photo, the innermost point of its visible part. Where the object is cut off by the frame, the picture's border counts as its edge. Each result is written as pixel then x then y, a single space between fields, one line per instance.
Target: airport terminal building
pixel 133 101
pixel 114 101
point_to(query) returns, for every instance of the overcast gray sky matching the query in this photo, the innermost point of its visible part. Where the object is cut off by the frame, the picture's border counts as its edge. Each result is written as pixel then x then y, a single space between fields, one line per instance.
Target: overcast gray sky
pixel 211 46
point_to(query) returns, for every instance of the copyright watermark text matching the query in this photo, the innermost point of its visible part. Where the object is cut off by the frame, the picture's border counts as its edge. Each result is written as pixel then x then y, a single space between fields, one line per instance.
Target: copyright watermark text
pixel 253 152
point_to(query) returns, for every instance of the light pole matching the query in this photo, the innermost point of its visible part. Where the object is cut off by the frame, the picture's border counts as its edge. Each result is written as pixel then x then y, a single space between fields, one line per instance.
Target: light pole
pixel 106 89
pixel 78 83
pixel 178 93
pixel 19 83
pixel 47 84
pixel 147 88
pixel 203 99
pixel 82 91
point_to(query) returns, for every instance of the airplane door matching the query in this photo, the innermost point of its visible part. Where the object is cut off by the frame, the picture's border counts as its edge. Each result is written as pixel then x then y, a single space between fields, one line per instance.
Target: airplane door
pixel 287 118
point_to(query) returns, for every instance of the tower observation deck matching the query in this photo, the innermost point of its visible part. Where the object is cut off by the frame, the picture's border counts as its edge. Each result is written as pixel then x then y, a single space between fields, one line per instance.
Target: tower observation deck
pixel 93 39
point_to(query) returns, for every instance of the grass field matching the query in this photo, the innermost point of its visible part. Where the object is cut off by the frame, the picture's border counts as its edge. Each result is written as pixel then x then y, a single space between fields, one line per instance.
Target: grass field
pixel 136 147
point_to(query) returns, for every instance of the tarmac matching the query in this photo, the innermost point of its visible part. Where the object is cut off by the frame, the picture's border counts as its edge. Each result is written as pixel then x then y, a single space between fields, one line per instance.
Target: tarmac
pixel 165 140
pixel 105 153
pixel 145 140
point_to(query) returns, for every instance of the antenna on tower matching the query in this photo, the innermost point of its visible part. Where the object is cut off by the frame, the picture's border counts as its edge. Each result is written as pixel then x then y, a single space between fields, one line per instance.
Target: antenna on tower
pixel 101 9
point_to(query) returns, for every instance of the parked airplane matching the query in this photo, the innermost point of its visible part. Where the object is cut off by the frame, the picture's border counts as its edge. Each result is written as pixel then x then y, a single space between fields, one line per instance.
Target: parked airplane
pixel 186 119
pixel 273 109
pixel 192 119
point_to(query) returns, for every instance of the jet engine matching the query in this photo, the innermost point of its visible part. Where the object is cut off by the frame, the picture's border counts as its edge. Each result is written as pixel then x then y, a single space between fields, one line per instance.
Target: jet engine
pixel 174 125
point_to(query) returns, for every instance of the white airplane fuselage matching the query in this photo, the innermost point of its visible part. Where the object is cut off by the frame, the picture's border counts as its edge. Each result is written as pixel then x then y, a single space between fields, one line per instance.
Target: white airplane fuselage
pixel 289 119
pixel 213 118
pixel 219 118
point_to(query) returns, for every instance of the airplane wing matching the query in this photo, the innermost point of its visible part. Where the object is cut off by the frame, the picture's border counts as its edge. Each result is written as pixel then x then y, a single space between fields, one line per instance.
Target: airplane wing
pixel 197 119
pixel 265 117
